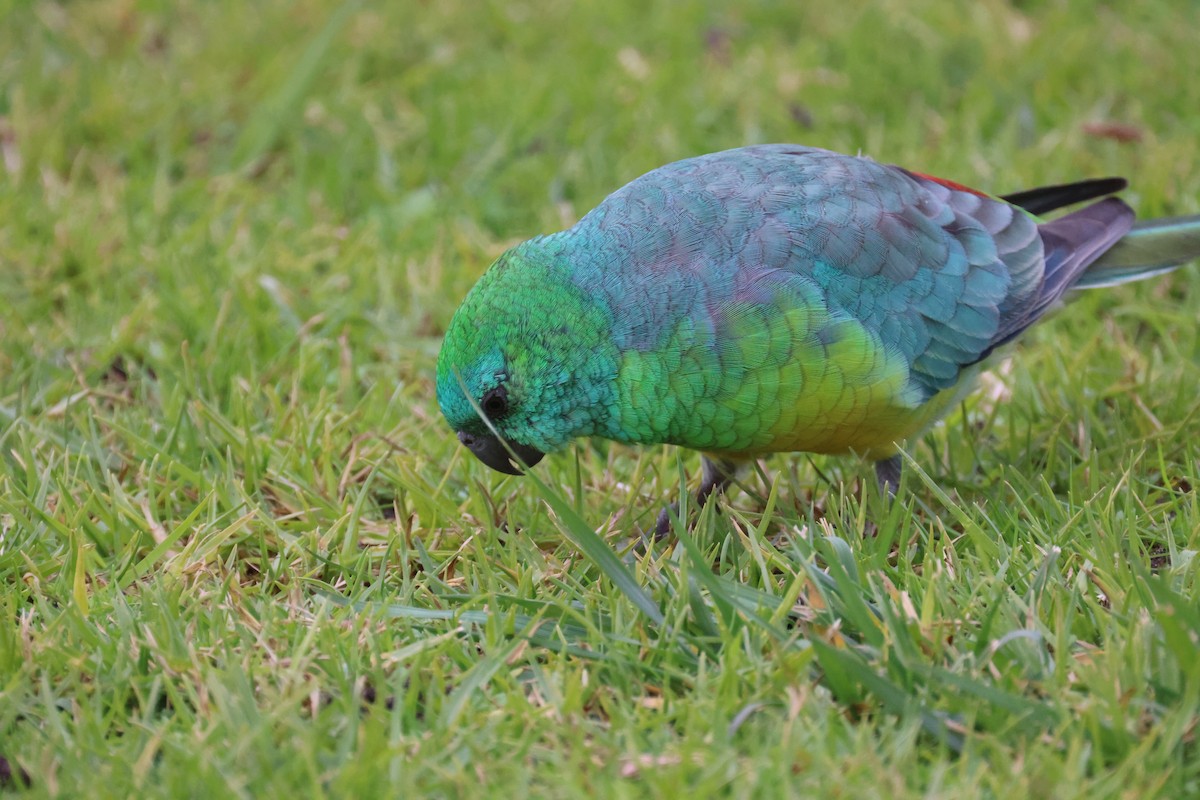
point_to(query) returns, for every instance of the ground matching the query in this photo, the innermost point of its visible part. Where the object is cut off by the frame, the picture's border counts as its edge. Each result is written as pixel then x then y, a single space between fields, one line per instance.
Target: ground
pixel 241 554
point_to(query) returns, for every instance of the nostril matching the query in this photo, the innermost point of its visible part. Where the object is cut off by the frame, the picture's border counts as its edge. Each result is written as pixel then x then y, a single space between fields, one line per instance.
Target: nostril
pixel 467 439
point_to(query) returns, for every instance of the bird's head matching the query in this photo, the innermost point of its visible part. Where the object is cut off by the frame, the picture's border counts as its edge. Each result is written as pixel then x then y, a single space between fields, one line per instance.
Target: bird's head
pixel 525 348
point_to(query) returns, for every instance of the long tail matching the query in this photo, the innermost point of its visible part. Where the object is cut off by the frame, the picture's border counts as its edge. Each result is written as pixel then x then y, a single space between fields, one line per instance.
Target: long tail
pixel 1150 248
pixel 1048 198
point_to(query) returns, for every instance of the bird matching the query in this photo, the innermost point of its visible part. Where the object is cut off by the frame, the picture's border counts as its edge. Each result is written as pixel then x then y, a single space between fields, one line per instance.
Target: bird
pixel 774 298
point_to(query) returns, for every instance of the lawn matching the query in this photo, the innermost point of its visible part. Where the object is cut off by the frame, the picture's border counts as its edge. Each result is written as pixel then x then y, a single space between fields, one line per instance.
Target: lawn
pixel 241 554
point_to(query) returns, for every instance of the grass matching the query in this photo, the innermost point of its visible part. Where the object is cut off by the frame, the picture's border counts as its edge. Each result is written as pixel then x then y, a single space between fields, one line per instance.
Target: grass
pixel 241 555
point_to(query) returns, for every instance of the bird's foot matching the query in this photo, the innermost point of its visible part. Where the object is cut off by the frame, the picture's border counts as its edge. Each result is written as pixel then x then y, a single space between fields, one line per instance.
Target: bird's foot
pixel 663 526
pixel 887 473
pixel 718 474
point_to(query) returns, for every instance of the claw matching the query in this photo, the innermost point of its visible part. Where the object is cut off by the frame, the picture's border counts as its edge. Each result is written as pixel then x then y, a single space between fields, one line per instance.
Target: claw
pixel 887 472
pixel 663 526
pixel 718 474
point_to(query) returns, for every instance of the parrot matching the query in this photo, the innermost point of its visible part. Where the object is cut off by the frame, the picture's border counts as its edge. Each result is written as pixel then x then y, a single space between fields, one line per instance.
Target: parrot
pixel 770 299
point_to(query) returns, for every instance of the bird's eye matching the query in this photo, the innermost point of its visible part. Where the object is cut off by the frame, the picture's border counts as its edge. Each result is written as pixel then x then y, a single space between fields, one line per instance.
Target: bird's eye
pixel 495 403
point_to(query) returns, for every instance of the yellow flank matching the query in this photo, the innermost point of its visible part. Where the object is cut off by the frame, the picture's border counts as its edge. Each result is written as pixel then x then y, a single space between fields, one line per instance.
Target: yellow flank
pixel 853 395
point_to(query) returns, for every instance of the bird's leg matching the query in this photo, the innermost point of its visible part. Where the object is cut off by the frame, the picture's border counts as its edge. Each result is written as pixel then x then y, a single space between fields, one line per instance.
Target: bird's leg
pixel 717 474
pixel 887 472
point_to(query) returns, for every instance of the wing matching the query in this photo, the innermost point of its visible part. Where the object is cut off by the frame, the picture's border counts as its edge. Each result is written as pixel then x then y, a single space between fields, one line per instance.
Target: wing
pixel 940 273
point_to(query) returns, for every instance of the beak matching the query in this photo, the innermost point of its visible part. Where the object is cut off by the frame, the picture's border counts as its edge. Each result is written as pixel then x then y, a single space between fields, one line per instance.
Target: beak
pixel 491 451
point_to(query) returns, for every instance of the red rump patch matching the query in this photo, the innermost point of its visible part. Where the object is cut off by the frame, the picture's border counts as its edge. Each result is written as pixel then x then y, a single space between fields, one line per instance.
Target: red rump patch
pixel 958 187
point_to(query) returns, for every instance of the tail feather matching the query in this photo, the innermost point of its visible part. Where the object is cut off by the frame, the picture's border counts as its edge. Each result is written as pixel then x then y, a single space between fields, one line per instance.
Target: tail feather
pixel 1048 198
pixel 1150 248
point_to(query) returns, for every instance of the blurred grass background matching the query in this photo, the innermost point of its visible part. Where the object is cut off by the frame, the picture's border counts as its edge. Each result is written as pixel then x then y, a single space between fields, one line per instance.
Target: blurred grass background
pixel 241 555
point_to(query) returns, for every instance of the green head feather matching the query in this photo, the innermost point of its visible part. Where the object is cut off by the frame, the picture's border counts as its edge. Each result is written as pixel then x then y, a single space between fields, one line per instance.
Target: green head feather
pixel 531 350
